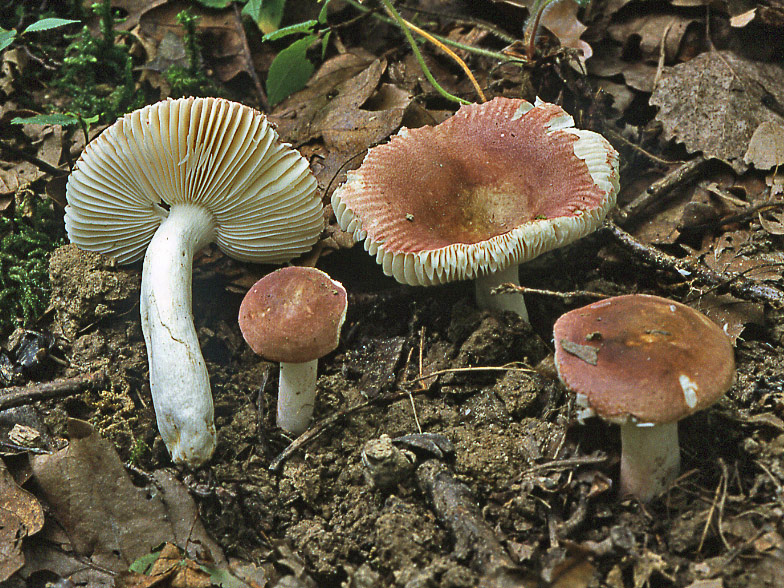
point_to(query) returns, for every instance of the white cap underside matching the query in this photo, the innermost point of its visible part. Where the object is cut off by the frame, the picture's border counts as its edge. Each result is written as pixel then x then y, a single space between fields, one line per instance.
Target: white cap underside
pixel 207 151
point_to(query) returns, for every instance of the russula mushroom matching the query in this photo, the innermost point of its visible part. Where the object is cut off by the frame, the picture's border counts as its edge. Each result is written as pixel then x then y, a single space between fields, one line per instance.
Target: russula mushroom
pixel 644 363
pixel 491 187
pixel 171 178
pixel 294 316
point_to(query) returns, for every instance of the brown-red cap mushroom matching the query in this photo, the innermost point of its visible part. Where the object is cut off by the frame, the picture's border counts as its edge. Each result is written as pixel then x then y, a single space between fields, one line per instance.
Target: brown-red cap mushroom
pixel 493 186
pixel 643 362
pixel 294 316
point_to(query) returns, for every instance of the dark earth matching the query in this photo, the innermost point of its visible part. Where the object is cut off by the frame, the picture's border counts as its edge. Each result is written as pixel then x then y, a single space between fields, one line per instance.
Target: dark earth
pixel 444 452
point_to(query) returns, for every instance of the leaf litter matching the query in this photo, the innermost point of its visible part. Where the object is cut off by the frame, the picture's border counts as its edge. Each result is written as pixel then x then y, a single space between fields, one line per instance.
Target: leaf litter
pixel 527 497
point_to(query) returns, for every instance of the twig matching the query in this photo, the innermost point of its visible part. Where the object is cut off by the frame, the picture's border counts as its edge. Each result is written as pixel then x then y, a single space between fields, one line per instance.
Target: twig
pixel 615 136
pixel 446 41
pixel 418 54
pixel 475 540
pixel 658 191
pixel 567 296
pixel 501 368
pixel 451 54
pixel 21 395
pixel 321 426
pixel 39 163
pixel 564 464
pixel 249 61
pixel 738 285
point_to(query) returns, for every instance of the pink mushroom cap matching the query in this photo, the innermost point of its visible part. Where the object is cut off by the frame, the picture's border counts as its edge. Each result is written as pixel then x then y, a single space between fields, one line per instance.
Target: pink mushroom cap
pixel 293 315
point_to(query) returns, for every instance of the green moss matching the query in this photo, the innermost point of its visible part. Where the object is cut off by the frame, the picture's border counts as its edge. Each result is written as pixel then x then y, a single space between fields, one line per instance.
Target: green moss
pixel 26 241
pixel 191 80
pixel 97 72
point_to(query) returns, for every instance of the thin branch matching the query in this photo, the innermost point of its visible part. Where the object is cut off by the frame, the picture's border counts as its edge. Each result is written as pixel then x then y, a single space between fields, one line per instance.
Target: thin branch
pixel 418 54
pixel 263 102
pixel 738 284
pixel 22 395
pixel 567 296
pixel 446 41
pixel 451 54
pixel 658 191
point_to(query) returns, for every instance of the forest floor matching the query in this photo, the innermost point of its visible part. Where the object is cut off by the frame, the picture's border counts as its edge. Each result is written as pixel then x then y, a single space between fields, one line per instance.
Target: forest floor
pixel 444 452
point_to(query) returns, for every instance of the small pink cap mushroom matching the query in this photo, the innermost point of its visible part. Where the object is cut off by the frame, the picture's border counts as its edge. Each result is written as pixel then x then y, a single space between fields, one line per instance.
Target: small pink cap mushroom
pixel 643 362
pixel 294 316
pixel 493 186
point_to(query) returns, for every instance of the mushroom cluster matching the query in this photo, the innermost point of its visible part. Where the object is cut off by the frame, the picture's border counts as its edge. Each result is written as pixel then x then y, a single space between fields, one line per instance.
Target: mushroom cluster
pixel 491 187
pixel 169 179
pixel 644 363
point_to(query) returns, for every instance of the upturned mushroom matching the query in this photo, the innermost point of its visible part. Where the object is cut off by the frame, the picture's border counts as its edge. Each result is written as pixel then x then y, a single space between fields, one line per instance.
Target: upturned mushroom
pixel 171 178
pixel 644 363
pixel 491 187
pixel 294 316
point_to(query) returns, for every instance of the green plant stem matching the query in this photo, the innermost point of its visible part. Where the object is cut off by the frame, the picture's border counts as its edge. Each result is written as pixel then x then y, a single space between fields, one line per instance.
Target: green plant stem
pixel 444 40
pixel 410 38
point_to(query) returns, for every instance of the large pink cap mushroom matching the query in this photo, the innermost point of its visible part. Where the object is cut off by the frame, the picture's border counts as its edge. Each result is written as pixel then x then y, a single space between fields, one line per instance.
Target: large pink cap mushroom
pixel 643 362
pixel 495 185
pixel 294 316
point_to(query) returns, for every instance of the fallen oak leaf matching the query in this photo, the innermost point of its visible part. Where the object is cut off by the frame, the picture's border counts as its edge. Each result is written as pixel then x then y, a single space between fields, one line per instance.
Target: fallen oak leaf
pixel 20 516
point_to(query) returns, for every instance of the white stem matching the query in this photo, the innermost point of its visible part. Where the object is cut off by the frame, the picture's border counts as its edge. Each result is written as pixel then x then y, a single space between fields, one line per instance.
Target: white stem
pixel 650 459
pixel 179 381
pixel 296 395
pixel 514 302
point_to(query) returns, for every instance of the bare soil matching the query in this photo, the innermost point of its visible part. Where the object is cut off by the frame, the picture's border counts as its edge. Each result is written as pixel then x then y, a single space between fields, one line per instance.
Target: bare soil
pixel 542 484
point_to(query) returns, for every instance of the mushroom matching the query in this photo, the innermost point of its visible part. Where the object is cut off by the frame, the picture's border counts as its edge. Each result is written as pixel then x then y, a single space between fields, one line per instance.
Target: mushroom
pixel 294 316
pixel 172 178
pixel 491 187
pixel 643 362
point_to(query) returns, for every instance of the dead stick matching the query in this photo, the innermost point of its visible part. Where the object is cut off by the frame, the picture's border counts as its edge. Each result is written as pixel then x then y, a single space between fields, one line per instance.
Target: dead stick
pixel 737 284
pixel 658 191
pixel 263 102
pixel 21 395
pixel 475 539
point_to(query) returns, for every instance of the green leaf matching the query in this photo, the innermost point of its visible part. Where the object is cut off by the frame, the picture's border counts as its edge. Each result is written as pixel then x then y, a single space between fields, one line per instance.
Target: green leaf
pixel 6 37
pixel 270 15
pixel 46 24
pixel 290 70
pixel 252 9
pixel 143 564
pixel 223 578
pixel 325 44
pixel 63 120
pixel 300 27
pixel 322 17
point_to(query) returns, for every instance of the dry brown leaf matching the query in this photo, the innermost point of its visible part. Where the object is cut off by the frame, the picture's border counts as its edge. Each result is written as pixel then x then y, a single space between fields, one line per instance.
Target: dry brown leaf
pixel 714 102
pixel 133 10
pixel 649 31
pixel 561 20
pixel 106 517
pixel 220 32
pixel 730 313
pixel 295 117
pixel 645 566
pixel 728 256
pixel 766 147
pixel 20 516
pixel 772 221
